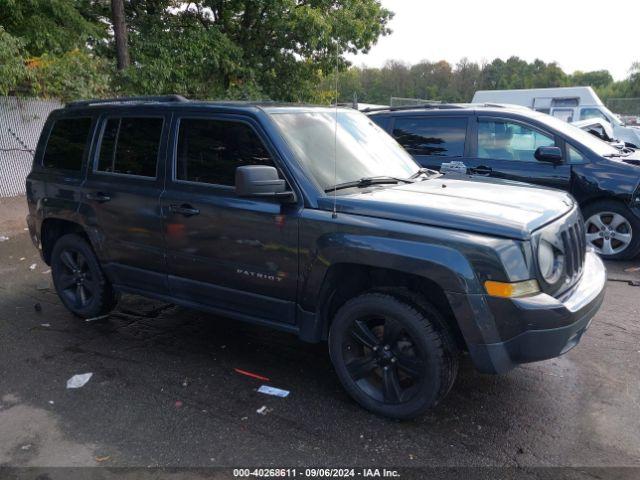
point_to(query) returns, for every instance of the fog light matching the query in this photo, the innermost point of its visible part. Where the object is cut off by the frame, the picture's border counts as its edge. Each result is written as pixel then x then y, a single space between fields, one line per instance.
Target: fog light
pixel 511 290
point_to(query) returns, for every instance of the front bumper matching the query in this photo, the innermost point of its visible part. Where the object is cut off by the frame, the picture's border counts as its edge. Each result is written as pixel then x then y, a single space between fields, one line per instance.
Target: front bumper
pixel 536 328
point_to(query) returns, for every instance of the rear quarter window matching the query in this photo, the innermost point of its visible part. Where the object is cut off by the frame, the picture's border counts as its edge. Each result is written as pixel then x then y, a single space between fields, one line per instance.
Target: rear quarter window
pixel 67 143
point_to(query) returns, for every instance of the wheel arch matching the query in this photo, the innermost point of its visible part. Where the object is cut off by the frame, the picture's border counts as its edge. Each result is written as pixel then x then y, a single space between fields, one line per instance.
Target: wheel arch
pixel 52 229
pixel 334 292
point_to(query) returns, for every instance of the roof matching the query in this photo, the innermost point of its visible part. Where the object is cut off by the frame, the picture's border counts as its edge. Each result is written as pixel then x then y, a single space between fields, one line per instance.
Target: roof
pixel 463 107
pixel 179 100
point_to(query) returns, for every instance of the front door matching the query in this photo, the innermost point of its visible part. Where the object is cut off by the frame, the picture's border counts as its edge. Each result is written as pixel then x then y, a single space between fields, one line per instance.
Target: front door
pixel 505 149
pixel 236 254
pixel 122 191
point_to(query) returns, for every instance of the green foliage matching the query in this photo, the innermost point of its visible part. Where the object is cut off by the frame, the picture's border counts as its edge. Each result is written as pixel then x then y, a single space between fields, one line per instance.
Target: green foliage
pixel 444 82
pixel 72 75
pixel 51 26
pixel 13 72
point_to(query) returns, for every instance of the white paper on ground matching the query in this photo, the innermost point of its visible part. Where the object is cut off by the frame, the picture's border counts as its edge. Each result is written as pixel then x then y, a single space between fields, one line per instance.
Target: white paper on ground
pixel 273 391
pixel 78 381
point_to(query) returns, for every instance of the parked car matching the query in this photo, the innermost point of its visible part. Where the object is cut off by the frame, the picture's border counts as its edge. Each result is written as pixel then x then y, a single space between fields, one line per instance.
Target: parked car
pixel 569 104
pixel 526 146
pixel 602 130
pixel 242 210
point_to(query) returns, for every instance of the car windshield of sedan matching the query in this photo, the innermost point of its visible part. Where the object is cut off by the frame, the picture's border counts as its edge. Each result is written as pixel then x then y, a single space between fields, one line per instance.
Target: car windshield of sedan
pixel 581 137
pixel 362 149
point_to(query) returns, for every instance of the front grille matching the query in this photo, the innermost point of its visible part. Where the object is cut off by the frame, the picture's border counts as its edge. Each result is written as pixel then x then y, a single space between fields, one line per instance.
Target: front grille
pixel 575 245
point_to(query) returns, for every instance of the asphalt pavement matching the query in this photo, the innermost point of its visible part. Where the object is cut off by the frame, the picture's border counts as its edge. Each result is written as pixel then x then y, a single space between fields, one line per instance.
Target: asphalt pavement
pixel 165 391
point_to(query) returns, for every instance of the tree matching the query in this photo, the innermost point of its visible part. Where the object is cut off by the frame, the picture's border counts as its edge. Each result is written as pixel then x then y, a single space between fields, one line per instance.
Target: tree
pixel 51 26
pixel 14 74
pixel 284 46
pixel 120 34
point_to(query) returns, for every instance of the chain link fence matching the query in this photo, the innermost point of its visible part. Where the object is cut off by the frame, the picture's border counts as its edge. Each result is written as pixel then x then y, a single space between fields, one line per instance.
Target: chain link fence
pixel 624 106
pixel 21 121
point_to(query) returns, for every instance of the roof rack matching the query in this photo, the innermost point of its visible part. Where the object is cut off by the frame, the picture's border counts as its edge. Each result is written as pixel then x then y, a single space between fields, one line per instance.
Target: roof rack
pixel 414 107
pixel 138 99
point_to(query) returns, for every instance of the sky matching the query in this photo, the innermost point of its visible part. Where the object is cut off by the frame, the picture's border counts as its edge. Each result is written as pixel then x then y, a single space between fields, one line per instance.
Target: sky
pixel 552 30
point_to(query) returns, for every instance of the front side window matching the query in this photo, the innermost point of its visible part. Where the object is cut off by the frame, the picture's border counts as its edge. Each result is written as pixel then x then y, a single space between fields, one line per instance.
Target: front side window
pixel 130 146
pixel 574 155
pixel 210 150
pixel 67 142
pixel 438 137
pixel 586 113
pixel 502 140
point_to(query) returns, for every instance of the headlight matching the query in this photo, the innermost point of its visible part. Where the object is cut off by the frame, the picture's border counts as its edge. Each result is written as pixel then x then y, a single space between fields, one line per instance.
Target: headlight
pixel 550 262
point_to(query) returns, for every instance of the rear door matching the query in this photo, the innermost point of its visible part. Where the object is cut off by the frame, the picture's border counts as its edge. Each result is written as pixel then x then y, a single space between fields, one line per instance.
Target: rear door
pixel 432 139
pixel 122 194
pixel 504 148
pixel 224 251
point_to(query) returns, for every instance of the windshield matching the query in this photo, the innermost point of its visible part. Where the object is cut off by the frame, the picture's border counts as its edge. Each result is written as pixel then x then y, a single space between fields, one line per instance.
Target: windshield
pixel 580 136
pixel 363 149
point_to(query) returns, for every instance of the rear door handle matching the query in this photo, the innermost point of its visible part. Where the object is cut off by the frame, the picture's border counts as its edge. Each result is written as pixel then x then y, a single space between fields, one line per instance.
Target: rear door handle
pixel 482 170
pixel 99 197
pixel 184 209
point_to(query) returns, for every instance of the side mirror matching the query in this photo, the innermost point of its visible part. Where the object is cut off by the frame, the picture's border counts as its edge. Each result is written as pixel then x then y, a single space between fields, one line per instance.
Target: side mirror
pixel 260 181
pixel 548 154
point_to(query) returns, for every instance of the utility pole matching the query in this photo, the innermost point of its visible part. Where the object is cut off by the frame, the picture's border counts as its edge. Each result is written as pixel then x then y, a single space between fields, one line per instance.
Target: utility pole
pixel 120 32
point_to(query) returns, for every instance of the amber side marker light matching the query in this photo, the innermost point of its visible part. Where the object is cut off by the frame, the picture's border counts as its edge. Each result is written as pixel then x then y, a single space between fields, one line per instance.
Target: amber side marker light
pixel 511 290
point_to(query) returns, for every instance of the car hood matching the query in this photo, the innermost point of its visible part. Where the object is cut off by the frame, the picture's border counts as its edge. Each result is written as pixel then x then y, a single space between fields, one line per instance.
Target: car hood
pixel 487 206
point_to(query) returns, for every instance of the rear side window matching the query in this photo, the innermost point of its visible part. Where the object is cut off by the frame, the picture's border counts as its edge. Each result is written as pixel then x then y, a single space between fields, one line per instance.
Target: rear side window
pixel 436 137
pixel 210 150
pixel 67 142
pixel 130 146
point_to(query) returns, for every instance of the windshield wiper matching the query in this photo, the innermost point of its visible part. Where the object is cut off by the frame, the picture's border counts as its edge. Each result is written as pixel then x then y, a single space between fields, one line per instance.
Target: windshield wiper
pixel 368 181
pixel 424 171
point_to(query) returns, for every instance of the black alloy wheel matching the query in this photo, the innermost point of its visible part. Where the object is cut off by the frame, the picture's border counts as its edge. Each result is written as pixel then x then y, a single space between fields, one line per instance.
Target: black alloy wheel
pixel 393 355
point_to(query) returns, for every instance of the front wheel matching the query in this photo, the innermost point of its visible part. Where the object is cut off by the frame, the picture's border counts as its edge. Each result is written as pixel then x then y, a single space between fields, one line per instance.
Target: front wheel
pixel 612 230
pixel 395 359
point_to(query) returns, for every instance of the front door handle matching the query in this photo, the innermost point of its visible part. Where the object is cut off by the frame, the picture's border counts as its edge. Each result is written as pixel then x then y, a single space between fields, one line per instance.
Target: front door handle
pixel 482 171
pixel 184 209
pixel 99 197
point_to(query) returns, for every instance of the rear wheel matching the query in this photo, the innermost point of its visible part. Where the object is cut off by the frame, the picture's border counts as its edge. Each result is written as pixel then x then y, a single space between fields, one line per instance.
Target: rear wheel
pixel 392 357
pixel 612 230
pixel 79 280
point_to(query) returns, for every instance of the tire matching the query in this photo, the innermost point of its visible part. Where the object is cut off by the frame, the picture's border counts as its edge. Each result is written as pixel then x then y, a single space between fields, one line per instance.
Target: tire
pixel 393 356
pixel 612 229
pixel 79 280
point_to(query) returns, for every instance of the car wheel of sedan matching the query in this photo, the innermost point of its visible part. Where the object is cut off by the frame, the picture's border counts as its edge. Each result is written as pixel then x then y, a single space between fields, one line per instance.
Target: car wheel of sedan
pixel 394 358
pixel 79 280
pixel 612 230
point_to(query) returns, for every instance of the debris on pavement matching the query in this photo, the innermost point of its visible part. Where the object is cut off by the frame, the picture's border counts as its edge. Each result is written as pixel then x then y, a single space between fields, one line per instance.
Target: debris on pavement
pixel 276 392
pixel 26 447
pixel 23 259
pixel 178 404
pixel 48 270
pixel 51 402
pixel 103 459
pixel 252 375
pixel 632 269
pixel 79 381
pixel 97 319
pixel 46 325
pixel 32 266
pixel 3 238
pixel 185 383
pixel 263 410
